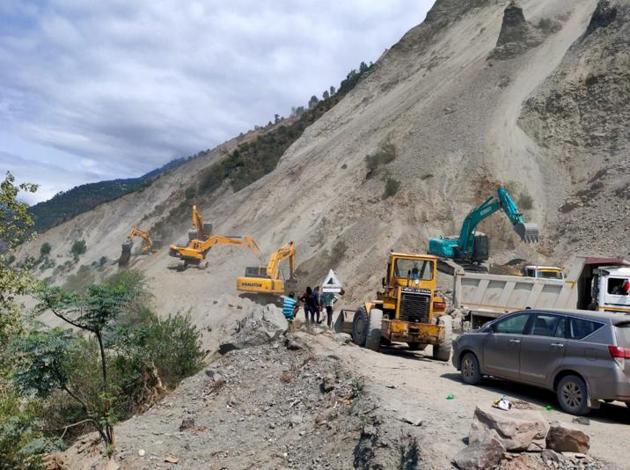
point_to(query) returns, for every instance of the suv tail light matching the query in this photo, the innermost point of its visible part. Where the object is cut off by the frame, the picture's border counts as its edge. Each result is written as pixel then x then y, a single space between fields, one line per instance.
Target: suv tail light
pixel 619 354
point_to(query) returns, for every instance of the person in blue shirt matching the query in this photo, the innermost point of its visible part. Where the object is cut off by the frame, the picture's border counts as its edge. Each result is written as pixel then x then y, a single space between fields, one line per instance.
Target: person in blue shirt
pixel 289 308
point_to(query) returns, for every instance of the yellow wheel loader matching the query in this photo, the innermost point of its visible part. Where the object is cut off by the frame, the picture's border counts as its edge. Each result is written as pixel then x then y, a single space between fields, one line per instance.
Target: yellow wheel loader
pixel 267 279
pixel 407 310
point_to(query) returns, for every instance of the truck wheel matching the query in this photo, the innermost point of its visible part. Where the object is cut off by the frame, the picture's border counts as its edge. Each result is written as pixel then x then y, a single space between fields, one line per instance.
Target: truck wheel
pixel 416 346
pixel 442 350
pixel 360 326
pixel 373 340
pixel 573 395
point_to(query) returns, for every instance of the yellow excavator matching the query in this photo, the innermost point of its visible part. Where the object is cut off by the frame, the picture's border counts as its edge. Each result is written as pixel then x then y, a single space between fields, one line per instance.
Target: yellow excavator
pixel 147 245
pixel 195 252
pixel 267 279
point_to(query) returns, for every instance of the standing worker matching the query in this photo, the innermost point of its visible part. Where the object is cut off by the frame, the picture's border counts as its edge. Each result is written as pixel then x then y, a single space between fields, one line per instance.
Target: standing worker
pixel 289 309
pixel 317 300
pixel 328 300
pixel 308 300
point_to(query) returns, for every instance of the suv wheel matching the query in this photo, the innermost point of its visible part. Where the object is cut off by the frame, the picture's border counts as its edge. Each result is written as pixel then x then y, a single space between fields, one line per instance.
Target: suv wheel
pixel 469 367
pixel 573 395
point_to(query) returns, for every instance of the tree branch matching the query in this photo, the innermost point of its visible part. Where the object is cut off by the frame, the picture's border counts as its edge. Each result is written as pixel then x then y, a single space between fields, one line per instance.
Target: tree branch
pixel 67 320
pixel 73 395
pixel 87 420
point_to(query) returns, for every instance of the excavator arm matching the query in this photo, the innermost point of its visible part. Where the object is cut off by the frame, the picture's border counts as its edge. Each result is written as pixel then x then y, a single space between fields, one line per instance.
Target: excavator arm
pixel 261 280
pixel 196 250
pixel 282 253
pixel 463 246
pixel 148 243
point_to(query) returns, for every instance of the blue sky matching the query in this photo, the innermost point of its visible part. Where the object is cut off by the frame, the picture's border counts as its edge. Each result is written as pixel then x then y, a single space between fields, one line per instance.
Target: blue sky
pixel 114 88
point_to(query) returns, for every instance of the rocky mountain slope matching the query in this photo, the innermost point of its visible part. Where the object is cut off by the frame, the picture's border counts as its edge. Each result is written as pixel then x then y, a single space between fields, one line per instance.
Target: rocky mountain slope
pixel 533 95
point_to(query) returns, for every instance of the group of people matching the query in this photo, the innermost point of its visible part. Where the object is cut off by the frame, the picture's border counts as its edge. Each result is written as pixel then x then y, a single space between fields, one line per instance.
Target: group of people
pixel 313 302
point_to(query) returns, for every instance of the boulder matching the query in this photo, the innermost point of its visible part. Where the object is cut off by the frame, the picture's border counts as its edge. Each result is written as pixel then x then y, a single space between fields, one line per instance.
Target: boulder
pixel 484 453
pixel 261 327
pixel 517 429
pixel 343 338
pixel 563 438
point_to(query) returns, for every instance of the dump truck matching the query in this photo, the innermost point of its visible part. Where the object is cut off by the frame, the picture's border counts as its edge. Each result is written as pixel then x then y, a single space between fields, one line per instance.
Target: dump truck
pixel 591 283
pixel 407 310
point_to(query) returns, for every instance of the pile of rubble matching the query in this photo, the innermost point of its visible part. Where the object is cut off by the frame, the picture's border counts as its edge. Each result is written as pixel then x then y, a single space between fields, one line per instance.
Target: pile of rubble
pixel 523 439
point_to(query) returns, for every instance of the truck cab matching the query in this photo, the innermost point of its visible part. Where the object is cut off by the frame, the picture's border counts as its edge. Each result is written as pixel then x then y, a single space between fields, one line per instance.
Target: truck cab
pixel 611 288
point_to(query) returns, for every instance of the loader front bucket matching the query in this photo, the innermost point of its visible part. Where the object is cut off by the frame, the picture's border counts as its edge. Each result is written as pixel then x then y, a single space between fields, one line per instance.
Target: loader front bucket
pixel 527 232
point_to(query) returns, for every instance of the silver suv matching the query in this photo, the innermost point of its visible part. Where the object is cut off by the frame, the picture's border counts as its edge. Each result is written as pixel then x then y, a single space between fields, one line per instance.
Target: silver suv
pixel 583 356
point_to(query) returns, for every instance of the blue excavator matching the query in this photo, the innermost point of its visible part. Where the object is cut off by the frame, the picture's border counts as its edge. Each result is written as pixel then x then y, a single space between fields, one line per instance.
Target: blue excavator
pixel 471 247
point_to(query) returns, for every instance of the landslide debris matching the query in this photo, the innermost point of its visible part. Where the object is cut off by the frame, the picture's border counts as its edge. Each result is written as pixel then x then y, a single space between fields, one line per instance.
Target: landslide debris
pixel 263 404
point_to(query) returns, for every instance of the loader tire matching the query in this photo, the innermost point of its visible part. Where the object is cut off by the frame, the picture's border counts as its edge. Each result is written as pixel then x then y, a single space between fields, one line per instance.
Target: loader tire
pixel 442 350
pixel 373 340
pixel 360 327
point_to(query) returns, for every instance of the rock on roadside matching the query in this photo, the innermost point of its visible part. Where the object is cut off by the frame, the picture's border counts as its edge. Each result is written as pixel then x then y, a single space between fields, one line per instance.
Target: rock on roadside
pixel 485 452
pixel 517 429
pixel 563 438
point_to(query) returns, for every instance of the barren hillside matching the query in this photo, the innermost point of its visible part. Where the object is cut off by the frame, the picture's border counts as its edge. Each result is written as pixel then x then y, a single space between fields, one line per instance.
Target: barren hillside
pixel 475 96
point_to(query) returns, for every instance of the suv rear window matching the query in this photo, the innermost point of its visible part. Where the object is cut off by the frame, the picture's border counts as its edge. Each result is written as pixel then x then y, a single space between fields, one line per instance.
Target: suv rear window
pixel 579 328
pixel 623 334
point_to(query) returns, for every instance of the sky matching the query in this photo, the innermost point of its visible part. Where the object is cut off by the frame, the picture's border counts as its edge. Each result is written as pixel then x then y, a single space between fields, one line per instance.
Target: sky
pixel 115 88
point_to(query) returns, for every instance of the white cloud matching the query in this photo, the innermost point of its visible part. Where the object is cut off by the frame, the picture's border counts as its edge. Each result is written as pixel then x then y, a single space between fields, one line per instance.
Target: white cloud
pixel 131 85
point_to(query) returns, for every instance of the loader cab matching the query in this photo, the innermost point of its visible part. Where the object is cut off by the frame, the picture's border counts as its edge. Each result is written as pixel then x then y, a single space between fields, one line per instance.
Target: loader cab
pixel 414 271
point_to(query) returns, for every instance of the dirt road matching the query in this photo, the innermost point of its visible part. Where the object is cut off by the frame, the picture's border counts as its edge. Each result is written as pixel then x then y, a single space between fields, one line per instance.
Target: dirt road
pixel 421 388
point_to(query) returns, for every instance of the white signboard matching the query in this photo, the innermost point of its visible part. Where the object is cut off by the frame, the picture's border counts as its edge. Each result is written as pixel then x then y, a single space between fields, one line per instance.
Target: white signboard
pixel 331 283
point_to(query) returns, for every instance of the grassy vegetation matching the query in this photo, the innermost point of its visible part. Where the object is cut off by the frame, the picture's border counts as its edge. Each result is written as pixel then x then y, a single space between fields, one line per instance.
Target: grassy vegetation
pixel 391 187
pixel 252 160
pixel 386 153
pixel 59 384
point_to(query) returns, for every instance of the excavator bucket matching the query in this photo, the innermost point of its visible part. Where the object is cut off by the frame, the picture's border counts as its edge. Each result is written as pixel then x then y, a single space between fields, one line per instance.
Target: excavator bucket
pixel 527 232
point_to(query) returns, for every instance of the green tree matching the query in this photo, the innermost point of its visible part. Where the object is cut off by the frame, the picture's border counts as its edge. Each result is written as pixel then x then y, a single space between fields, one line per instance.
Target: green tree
pixel 15 227
pixel 93 311
pixel 44 250
pixel 78 248
pixel 313 102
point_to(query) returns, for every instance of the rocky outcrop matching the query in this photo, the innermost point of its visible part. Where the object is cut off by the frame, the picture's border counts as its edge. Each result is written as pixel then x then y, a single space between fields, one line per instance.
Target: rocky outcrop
pixel 518 430
pixel 516 36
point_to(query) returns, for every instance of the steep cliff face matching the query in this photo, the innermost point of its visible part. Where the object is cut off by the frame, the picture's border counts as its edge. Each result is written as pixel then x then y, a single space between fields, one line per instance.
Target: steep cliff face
pixel 581 118
pixel 459 121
